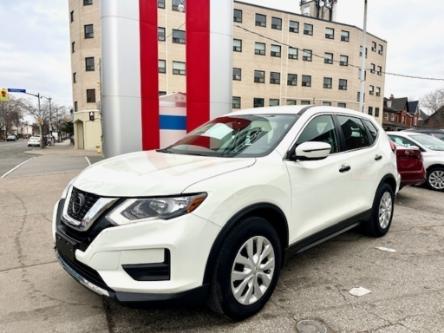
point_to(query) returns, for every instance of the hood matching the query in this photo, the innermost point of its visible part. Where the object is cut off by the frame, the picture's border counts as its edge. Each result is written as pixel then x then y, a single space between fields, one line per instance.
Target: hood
pixel 152 173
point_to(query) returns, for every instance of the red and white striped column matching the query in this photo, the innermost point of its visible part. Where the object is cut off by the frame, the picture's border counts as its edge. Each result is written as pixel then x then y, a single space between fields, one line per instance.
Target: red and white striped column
pixel 130 81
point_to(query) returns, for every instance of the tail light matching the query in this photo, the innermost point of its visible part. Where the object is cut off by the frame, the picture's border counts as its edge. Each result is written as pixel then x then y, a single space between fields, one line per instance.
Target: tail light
pixel 393 147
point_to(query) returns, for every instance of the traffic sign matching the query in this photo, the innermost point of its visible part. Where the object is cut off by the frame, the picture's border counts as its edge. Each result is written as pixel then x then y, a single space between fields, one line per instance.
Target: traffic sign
pixel 17 90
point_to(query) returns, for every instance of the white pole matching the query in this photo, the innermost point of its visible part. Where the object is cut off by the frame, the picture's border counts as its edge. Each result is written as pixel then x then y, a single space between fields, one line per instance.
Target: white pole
pixel 363 61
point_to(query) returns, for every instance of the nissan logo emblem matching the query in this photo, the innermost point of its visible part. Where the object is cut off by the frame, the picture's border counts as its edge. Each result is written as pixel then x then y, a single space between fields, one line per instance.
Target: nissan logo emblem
pixel 79 201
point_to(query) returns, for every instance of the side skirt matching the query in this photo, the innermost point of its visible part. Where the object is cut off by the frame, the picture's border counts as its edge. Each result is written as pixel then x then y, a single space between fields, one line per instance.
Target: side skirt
pixel 327 234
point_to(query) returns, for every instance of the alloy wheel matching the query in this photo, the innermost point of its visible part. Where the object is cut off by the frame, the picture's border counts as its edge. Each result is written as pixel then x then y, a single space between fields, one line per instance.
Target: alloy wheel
pixel 385 210
pixel 253 269
pixel 436 179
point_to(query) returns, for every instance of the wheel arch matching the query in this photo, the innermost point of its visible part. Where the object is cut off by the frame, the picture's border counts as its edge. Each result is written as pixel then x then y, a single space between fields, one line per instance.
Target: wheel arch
pixel 390 180
pixel 434 166
pixel 271 212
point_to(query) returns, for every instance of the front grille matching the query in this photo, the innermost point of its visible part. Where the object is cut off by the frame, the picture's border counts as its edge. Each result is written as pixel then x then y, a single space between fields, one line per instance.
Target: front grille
pixel 80 203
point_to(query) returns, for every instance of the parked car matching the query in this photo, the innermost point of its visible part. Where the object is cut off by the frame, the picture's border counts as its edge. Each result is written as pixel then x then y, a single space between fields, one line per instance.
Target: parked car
pixel 11 137
pixel 432 150
pixel 437 133
pixel 34 141
pixel 213 214
pixel 410 165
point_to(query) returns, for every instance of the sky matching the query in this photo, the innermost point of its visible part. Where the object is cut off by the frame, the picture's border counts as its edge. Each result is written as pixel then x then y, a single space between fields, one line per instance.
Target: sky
pixel 34 42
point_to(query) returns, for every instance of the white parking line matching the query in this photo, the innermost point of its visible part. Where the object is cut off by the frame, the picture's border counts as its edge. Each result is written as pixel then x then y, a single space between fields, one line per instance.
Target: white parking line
pixel 15 168
pixel 87 160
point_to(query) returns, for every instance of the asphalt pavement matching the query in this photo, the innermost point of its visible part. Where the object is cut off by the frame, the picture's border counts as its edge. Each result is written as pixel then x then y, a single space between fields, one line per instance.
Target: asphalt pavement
pixel 406 286
pixel 12 154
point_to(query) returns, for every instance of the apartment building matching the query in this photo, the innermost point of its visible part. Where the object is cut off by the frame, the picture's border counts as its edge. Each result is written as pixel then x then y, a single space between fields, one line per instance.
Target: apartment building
pixel 279 58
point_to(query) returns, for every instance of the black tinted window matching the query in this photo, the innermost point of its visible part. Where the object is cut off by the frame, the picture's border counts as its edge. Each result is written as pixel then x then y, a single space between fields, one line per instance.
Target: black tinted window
pixel 371 129
pixel 354 132
pixel 320 129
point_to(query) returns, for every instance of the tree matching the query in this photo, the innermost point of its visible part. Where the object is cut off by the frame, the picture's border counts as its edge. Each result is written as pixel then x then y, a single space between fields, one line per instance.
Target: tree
pixel 433 101
pixel 41 117
pixel 11 114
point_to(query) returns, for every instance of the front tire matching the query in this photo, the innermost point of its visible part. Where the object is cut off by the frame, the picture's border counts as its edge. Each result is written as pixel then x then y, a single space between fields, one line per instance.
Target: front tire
pixel 382 212
pixel 435 178
pixel 247 269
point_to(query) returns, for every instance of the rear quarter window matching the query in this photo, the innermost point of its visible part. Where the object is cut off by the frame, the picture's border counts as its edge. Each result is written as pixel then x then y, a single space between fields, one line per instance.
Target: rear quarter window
pixel 372 129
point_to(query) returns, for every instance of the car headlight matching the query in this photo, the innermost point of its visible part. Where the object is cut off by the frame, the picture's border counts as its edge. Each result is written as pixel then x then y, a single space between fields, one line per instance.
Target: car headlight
pixel 138 210
pixel 67 188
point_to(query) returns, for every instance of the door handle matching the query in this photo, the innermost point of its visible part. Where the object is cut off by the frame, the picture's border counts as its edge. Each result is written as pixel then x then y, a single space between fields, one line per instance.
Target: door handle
pixel 345 168
pixel 378 157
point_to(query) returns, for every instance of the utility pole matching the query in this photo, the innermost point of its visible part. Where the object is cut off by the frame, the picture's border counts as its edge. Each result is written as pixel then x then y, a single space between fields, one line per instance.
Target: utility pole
pixel 42 144
pixel 363 61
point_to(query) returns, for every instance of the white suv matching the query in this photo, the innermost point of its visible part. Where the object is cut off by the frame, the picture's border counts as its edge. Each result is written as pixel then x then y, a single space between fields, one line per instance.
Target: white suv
pixel 213 214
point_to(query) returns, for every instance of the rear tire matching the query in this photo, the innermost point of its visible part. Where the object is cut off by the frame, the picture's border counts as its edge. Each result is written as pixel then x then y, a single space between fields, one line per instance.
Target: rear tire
pixel 382 212
pixel 247 269
pixel 435 178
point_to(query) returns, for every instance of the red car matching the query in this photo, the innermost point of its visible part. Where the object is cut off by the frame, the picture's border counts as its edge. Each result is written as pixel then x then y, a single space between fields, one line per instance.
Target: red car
pixel 410 165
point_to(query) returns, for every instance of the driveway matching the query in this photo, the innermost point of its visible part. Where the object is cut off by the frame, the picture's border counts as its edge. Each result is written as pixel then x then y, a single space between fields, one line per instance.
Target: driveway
pixel 407 286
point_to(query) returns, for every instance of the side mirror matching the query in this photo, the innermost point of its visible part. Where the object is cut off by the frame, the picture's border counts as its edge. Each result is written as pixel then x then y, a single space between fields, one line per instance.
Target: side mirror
pixel 312 150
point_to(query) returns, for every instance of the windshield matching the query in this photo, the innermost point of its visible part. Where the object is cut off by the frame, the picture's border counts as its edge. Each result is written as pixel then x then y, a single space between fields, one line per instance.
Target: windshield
pixel 429 142
pixel 236 136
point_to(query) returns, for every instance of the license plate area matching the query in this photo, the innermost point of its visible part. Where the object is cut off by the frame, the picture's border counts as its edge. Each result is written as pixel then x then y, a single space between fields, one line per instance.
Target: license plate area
pixel 66 247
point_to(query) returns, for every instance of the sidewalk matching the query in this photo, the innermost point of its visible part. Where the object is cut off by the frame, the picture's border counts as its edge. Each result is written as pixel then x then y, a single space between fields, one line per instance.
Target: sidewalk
pixel 65 149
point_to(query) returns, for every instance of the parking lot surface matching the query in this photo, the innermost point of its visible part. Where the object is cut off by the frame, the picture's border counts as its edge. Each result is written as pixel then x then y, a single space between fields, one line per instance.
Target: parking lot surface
pixel 403 271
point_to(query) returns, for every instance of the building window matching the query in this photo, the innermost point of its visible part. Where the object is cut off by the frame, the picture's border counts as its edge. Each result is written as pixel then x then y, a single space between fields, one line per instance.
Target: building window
pixel 261 20
pixel 293 53
pixel 292 102
pixel 372 68
pixel 329 33
pixel 237 16
pixel 374 46
pixel 371 90
pixel 161 4
pixel 76 106
pixel 73 47
pixel 178 36
pixel 325 103
pixel 343 60
pixel 74 77
pixel 259 48
pixel 306 80
pixel 275 51
pixel 342 105
pixel 179 5
pixel 162 93
pixel 345 36
pixel 377 112
pixel 342 84
pixel 236 102
pixel 275 78
pixel 87 2
pixel 258 102
pixel 161 34
pixel 259 76
pixel 307 55
pixel 308 29
pixel 328 82
pixel 162 66
pixel 90 95
pixel 328 58
pixel 89 64
pixel 358 95
pixel 179 68
pixel 276 23
pixel 274 102
pixel 305 102
pixel 237 45
pixel 89 31
pixel 378 91
pixel 71 16
pixel 370 110
pixel 292 80
pixel 381 49
pixel 360 51
pixel 294 27
pixel 237 74
pixel 379 72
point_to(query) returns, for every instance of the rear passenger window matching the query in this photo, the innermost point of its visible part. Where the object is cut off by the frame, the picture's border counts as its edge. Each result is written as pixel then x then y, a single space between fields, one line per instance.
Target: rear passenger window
pixel 371 129
pixel 355 134
pixel 320 129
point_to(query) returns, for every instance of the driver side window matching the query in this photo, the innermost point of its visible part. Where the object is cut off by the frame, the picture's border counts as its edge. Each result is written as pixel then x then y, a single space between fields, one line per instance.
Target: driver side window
pixel 322 129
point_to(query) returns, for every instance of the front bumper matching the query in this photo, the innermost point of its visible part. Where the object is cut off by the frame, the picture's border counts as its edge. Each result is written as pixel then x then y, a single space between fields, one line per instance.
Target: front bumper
pixel 100 262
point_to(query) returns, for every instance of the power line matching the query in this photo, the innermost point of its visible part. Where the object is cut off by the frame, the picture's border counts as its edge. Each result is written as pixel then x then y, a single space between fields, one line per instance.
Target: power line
pixel 336 61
